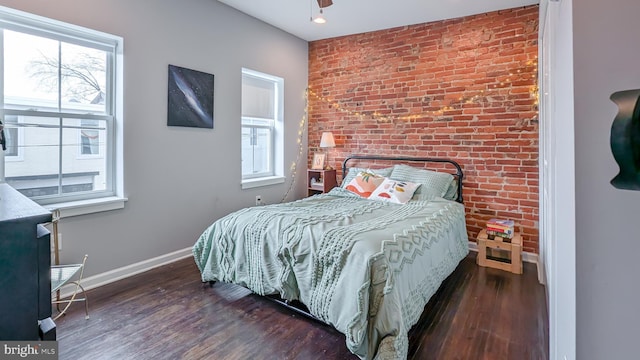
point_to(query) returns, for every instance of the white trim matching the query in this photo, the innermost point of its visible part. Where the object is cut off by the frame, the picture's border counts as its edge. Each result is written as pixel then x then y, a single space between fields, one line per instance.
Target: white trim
pixel 21 21
pixel 542 275
pixel 557 184
pixel 264 181
pixel 83 207
pixel 108 277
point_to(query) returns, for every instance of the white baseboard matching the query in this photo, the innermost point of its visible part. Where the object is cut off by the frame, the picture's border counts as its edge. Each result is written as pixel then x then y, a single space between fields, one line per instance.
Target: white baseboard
pixel 105 278
pixel 526 256
pixel 542 274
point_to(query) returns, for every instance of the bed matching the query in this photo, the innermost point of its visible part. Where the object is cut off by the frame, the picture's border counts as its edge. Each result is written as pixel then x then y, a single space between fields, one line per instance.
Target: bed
pixel 364 266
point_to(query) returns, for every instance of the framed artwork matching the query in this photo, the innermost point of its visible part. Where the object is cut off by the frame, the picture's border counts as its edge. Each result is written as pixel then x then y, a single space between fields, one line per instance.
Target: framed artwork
pixel 190 101
pixel 318 161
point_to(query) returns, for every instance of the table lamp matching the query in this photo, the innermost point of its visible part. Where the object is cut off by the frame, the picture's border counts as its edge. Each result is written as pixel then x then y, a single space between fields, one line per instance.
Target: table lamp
pixel 327 141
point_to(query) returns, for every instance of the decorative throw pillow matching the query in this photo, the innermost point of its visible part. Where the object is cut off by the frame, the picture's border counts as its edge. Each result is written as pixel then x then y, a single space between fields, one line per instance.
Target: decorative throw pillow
pixel 364 183
pixel 354 171
pixel 433 183
pixel 399 192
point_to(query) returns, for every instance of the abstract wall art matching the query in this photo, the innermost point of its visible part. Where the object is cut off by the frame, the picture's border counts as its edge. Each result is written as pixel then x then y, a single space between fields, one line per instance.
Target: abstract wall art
pixel 625 139
pixel 190 100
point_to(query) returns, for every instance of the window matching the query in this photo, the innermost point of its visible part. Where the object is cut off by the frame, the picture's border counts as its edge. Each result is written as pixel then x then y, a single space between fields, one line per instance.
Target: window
pixel 60 105
pixel 262 136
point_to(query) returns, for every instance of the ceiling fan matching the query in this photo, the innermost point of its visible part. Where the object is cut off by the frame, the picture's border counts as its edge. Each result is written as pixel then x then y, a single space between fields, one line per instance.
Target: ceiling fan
pixel 320 18
pixel 324 3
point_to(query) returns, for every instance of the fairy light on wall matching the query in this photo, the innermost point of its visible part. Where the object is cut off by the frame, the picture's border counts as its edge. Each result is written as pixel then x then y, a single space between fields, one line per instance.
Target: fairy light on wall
pixel 452 106
pixel 386 119
pixel 301 132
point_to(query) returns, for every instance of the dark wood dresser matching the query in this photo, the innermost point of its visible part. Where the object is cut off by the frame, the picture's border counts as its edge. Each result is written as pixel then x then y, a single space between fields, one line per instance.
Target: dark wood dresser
pixel 25 269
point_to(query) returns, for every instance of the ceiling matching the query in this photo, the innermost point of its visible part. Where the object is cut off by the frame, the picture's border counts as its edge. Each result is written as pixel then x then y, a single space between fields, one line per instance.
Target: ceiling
pixel 346 17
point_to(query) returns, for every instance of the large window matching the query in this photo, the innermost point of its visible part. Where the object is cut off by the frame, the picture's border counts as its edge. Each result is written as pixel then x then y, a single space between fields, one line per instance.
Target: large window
pixel 58 103
pixel 262 106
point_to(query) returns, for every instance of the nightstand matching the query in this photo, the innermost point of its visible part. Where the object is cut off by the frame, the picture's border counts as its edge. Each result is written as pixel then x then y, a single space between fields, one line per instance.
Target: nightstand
pixel 499 254
pixel 320 181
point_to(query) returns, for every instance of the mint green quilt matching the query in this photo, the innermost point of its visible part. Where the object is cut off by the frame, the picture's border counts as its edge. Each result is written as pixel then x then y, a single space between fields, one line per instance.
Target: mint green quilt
pixel 365 267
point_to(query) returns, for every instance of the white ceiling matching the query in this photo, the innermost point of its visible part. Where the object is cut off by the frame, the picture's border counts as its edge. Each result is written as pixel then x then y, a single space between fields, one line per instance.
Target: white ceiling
pixel 346 17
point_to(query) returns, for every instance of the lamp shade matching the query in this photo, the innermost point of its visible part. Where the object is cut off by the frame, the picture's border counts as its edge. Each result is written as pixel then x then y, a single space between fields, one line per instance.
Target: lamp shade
pixel 327 140
pixel 319 19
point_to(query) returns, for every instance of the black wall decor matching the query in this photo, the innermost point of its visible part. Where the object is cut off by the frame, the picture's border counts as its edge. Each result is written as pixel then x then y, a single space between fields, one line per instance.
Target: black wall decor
pixel 190 100
pixel 625 139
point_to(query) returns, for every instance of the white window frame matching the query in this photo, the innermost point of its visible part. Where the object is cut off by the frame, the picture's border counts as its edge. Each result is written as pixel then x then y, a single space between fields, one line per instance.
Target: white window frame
pixel 94 201
pixel 275 172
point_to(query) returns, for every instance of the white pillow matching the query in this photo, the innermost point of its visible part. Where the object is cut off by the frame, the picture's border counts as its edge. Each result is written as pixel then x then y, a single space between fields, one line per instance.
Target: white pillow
pixel 395 191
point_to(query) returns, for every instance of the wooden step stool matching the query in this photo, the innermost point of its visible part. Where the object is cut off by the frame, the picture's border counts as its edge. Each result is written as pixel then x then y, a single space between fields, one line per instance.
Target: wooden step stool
pixel 499 254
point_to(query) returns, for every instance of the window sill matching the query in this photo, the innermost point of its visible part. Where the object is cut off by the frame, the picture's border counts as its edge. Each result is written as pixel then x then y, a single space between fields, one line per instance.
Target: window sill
pixel 253 183
pixel 84 207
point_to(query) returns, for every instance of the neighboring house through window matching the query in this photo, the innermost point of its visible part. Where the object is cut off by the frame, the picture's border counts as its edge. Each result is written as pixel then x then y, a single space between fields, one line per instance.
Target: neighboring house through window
pixel 12 134
pixel 262 123
pixel 89 137
pixel 60 104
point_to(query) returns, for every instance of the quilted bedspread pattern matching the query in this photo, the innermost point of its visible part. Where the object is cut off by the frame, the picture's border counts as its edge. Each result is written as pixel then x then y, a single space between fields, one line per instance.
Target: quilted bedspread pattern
pixel 365 267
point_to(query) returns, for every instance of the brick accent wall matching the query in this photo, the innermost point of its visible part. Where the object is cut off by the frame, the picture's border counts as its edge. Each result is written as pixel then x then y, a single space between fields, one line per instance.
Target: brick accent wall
pixel 464 89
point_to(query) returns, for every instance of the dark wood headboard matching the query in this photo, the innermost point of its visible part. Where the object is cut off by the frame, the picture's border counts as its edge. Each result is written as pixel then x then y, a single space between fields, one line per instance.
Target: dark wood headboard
pixel 459 175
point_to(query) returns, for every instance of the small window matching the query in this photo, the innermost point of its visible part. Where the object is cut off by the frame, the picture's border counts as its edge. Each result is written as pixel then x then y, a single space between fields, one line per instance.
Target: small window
pixel 262 138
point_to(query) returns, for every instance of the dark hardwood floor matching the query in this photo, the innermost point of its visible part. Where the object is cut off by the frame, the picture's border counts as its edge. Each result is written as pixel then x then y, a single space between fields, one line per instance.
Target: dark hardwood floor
pixel 167 313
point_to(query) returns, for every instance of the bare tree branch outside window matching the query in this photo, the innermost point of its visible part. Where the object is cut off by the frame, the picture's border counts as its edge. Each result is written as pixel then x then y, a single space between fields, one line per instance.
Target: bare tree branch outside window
pixel 79 76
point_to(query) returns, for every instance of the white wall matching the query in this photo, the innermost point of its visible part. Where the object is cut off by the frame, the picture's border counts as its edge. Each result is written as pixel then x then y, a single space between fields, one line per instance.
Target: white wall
pixel 606 60
pixel 178 180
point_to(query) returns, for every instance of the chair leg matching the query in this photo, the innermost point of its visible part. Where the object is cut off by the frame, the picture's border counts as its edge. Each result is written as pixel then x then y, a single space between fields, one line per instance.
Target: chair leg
pixel 68 302
pixel 57 302
pixel 86 302
pixel 78 288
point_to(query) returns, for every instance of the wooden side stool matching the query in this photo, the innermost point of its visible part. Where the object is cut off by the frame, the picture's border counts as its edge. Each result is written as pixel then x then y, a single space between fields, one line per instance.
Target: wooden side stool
pixel 499 254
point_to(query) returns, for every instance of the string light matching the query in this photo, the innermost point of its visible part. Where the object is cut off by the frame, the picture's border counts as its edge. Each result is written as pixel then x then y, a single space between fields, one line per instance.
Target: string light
pixel 469 99
pixel 454 105
pixel 301 132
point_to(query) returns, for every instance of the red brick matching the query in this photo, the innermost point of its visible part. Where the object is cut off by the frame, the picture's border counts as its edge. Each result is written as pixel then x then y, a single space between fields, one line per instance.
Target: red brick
pixel 441 89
